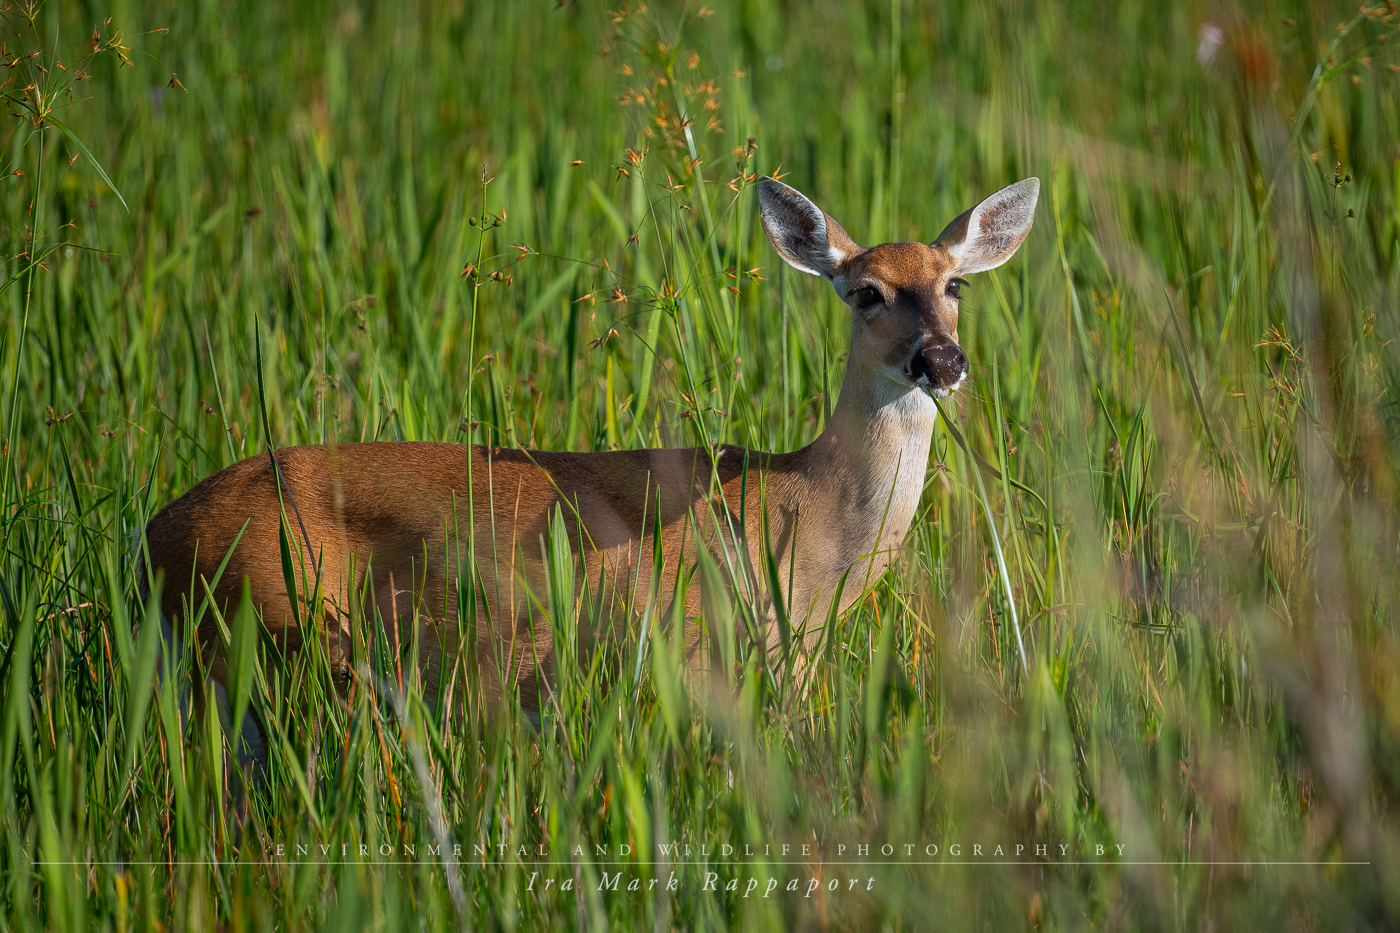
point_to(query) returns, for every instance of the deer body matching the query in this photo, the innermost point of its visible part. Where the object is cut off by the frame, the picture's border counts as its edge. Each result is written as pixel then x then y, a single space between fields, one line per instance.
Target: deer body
pixel 400 511
pixel 388 524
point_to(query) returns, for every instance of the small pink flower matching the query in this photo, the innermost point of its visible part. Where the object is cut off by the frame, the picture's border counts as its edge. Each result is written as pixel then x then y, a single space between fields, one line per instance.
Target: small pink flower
pixel 1212 37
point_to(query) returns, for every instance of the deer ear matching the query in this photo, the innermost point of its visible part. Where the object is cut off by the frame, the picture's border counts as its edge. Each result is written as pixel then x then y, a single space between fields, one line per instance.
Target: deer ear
pixel 989 234
pixel 806 238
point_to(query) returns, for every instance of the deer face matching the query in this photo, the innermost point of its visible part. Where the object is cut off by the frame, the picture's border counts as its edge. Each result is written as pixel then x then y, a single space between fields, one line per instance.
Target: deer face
pixel 904 312
pixel 903 296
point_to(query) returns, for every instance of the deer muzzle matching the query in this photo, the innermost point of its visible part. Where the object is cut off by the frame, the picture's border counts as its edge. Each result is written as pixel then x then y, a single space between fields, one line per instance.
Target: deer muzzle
pixel 940 369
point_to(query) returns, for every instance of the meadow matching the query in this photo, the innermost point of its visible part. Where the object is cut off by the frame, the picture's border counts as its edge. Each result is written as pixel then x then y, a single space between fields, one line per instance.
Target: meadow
pixel 1140 647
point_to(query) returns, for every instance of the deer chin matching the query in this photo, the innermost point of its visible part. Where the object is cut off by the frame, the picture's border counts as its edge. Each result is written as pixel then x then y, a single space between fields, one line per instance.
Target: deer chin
pixel 938 392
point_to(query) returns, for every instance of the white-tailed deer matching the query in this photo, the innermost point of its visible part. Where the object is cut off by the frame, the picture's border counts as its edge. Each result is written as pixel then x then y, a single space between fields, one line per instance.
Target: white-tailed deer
pixel 385 525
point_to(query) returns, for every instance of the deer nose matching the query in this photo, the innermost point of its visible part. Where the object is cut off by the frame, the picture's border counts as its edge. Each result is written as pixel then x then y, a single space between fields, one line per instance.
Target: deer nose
pixel 941 367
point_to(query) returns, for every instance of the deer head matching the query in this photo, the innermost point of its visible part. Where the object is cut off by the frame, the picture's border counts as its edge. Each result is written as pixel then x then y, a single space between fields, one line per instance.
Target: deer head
pixel 903 296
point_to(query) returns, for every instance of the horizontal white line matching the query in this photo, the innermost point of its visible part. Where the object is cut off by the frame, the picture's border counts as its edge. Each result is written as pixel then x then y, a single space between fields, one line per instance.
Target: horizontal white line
pixel 812 865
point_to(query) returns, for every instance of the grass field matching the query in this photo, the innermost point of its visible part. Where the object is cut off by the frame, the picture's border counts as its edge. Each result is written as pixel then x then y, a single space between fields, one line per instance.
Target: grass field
pixel 486 221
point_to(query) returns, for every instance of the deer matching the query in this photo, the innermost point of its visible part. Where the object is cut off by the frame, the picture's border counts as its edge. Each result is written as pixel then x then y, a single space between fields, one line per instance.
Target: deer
pixel 386 523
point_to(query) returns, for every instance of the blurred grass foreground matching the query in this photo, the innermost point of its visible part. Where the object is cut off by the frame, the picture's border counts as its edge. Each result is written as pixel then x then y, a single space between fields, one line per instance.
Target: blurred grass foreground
pixel 536 226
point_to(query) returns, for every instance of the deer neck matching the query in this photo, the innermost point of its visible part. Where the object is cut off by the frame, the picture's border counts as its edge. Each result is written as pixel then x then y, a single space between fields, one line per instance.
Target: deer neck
pixel 866 470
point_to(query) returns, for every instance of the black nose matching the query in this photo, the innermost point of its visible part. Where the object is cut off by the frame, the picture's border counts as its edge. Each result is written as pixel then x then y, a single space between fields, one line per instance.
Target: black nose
pixel 941 366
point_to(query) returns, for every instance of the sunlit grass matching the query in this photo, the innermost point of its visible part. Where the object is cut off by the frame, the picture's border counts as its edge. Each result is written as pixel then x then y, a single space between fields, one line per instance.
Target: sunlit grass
pixel 483 222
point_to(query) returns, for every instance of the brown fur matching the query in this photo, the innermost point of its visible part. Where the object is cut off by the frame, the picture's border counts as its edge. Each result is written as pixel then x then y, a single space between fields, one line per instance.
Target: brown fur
pixel 396 514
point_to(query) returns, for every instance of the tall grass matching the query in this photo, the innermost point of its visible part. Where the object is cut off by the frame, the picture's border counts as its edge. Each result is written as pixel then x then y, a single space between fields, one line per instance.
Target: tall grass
pixel 485 222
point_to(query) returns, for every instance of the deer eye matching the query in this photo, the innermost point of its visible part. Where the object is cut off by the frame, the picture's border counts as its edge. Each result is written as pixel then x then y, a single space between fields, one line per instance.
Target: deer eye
pixel 868 297
pixel 955 288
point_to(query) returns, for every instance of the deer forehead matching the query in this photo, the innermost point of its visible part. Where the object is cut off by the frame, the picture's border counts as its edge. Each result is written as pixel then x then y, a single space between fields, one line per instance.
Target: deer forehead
pixel 912 276
pixel 899 266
